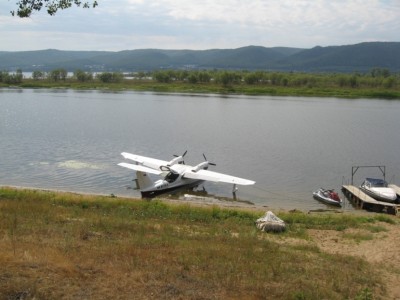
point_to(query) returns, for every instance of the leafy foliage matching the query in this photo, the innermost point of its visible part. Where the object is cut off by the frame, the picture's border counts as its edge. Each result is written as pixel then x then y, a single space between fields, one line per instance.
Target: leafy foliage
pixel 83 76
pixel 108 77
pixel 11 78
pixel 58 74
pixel 37 75
pixel 27 7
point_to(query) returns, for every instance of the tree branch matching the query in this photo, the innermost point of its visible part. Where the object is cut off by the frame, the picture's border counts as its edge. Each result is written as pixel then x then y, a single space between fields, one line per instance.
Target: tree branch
pixel 27 7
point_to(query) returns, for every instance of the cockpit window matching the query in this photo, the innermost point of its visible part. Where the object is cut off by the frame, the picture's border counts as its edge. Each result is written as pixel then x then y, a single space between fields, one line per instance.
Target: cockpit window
pixel 171 177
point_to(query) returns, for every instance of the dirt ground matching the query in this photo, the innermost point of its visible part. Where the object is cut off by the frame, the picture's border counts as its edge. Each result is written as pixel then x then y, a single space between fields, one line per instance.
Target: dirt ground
pixel 380 251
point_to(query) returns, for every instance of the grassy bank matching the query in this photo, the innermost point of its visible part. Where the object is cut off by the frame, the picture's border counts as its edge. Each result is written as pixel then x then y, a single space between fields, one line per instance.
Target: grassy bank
pixel 69 246
pixel 235 88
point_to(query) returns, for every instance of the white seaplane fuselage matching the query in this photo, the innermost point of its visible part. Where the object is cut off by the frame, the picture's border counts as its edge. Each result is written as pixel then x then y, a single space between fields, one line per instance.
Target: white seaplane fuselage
pixel 170 181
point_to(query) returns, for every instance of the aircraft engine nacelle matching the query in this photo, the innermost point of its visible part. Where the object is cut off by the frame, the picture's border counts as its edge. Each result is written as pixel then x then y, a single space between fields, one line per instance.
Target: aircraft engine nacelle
pixel 175 161
pixel 201 166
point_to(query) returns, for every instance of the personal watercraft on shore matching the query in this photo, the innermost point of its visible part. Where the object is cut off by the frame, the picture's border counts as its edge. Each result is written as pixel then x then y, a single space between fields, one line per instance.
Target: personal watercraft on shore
pixel 328 197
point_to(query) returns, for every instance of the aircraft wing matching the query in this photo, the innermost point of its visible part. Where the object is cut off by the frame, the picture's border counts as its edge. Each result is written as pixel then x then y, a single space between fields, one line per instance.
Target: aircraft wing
pixel 216 177
pixel 148 162
pixel 140 168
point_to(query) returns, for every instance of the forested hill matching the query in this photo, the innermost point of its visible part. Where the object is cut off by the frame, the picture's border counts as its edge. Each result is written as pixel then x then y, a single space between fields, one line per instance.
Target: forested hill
pixel 349 58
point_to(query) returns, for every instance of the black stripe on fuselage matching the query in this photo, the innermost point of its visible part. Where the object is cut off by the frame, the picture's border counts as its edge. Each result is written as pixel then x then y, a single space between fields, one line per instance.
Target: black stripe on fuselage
pixel 152 194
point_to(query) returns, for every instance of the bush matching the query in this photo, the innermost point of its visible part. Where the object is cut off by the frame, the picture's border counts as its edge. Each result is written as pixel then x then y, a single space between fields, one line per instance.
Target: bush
pixel 108 77
pixel 11 78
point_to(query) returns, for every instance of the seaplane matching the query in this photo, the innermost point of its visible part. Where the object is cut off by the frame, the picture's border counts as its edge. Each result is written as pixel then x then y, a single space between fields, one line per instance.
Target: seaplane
pixel 175 174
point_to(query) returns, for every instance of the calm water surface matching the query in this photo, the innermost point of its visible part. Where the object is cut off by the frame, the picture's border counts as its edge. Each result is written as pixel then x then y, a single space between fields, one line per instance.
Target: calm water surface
pixel 72 140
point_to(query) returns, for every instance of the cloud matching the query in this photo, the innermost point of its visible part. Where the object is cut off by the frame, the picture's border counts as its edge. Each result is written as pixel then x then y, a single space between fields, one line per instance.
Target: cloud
pixel 177 24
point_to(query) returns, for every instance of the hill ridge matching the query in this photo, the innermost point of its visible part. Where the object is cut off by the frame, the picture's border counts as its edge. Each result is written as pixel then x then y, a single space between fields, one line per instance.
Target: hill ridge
pixel 360 57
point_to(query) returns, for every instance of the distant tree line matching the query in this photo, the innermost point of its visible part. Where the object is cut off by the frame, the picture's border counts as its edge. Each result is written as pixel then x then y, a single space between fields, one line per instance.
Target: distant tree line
pixel 61 75
pixel 376 78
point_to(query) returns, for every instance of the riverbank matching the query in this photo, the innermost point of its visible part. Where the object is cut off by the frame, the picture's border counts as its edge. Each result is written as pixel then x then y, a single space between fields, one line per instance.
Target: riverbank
pixel 66 245
pixel 213 88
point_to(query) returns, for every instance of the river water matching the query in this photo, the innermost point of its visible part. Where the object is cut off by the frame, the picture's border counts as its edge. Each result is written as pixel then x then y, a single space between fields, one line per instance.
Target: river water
pixel 72 140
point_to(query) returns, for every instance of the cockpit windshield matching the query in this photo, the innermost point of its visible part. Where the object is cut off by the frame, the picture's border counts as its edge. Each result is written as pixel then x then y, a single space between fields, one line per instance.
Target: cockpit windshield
pixel 377 182
pixel 171 177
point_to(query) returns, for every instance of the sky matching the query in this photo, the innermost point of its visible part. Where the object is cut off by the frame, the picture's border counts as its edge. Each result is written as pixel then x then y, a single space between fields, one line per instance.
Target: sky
pixel 116 25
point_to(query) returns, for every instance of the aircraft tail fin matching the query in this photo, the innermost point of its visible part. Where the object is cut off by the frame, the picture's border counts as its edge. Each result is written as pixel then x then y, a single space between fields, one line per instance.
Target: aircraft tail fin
pixel 143 180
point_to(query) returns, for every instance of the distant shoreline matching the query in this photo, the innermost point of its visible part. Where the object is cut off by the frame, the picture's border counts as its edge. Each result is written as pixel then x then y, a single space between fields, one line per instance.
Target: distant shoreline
pixel 318 88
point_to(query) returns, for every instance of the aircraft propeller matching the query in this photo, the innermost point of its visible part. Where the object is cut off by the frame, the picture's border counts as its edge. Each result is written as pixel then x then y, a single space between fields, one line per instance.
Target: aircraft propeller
pixel 210 163
pixel 183 155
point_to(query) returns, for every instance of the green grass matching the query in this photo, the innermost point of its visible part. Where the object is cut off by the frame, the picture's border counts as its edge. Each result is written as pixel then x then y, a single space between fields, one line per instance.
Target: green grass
pixel 359 237
pixel 62 245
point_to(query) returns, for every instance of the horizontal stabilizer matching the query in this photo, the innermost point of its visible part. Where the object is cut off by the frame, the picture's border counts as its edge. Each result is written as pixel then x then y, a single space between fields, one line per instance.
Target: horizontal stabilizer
pixel 140 168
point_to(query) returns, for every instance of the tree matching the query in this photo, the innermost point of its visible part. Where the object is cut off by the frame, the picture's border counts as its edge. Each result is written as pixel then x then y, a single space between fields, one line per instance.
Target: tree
pixel 83 76
pixel 162 76
pixel 27 7
pixel 36 75
pixel 107 77
pixel 193 78
pixel 58 74
pixel 251 78
pixel 204 76
pixel 13 78
pixel 378 72
pixel 228 77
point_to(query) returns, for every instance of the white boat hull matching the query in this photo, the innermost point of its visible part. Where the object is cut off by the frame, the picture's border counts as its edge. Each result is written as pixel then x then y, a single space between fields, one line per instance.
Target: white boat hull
pixel 381 194
pixel 379 190
pixel 319 195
